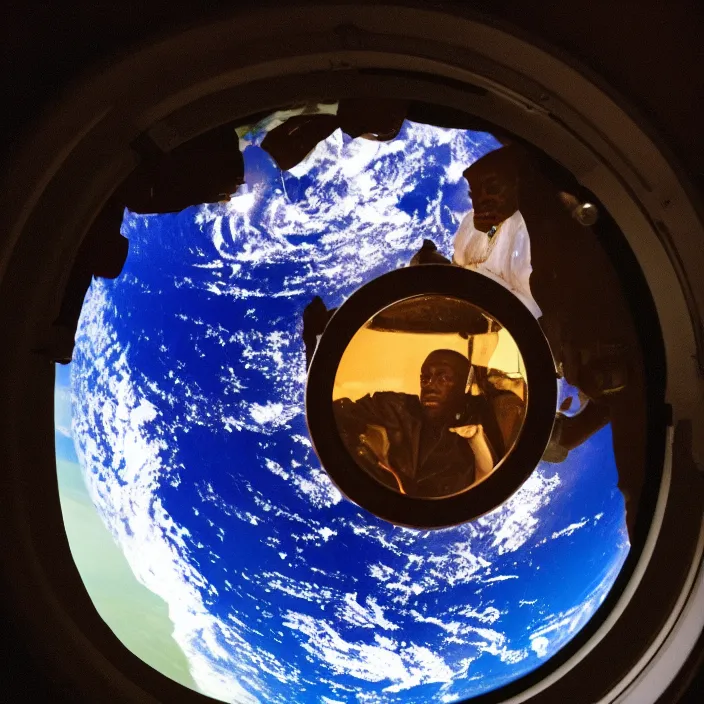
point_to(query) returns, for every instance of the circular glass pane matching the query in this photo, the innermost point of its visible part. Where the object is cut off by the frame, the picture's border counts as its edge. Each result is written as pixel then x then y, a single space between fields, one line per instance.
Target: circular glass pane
pixel 430 396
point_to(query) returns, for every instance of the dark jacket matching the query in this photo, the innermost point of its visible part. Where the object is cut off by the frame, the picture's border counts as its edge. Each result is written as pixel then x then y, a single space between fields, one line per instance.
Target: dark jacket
pixel 427 463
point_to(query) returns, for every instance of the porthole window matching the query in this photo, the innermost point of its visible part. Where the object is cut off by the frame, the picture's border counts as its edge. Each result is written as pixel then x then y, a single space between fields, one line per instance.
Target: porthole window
pixel 435 416
pixel 198 371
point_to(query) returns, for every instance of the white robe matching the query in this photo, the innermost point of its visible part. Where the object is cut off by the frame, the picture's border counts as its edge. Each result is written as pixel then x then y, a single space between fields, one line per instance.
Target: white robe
pixel 505 257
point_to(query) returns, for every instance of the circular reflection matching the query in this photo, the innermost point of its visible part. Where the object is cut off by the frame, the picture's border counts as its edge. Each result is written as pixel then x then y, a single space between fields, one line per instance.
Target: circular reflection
pixel 430 396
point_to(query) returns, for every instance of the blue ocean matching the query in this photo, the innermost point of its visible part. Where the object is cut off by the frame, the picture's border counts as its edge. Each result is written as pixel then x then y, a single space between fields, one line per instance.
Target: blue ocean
pixel 187 397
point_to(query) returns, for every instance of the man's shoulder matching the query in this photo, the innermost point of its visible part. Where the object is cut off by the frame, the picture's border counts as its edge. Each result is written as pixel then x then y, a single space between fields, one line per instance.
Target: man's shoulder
pixel 386 398
pixel 465 229
pixel 394 395
pixel 394 401
pixel 381 406
pixel 396 398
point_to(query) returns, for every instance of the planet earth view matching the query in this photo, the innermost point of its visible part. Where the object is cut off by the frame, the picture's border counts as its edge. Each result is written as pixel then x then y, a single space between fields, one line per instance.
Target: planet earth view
pixel 186 395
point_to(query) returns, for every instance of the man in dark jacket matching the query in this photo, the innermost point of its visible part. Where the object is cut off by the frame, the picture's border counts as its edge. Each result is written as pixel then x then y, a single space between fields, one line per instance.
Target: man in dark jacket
pixel 431 445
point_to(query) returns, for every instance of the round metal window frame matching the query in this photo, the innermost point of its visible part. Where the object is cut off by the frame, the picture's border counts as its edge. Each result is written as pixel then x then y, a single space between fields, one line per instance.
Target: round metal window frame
pixel 196 79
pixel 513 470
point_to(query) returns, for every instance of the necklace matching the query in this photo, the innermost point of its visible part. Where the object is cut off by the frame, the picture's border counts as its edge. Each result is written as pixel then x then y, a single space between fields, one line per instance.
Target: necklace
pixel 491 236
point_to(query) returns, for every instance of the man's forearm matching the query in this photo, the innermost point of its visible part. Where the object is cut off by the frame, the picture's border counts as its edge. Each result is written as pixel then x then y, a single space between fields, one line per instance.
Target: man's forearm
pixel 483 457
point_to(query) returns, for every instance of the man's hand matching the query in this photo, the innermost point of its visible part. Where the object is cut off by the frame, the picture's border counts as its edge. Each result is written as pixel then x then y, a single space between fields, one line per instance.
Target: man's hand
pixel 428 254
pixel 468 431
pixel 483 456
pixel 376 439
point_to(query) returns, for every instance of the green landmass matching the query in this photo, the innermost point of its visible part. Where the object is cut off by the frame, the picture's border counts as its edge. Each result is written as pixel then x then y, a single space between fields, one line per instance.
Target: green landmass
pixel 137 616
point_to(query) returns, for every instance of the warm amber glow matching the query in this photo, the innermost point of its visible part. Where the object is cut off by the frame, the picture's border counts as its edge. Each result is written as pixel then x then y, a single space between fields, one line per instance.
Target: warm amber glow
pixel 391 361
pixel 443 438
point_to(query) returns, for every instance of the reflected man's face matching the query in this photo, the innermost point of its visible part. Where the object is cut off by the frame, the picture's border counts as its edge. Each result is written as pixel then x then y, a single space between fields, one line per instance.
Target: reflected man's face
pixel 442 387
pixel 494 197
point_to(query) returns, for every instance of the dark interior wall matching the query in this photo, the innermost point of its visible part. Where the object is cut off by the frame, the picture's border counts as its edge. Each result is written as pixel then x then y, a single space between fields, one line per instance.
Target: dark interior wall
pixel 650 51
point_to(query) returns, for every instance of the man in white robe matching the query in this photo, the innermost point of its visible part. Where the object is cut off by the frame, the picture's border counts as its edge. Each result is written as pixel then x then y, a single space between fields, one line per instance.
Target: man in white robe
pixel 562 274
pixel 504 256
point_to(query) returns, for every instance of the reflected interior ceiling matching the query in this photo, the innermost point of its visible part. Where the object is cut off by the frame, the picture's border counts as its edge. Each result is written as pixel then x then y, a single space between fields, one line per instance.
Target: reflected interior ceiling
pixel 186 391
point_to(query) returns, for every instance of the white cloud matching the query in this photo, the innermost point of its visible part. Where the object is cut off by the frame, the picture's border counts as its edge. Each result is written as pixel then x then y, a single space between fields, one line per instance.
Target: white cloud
pixel 540 646
pixel 403 668
pixel 369 616
pixel 62 410
pixel 570 529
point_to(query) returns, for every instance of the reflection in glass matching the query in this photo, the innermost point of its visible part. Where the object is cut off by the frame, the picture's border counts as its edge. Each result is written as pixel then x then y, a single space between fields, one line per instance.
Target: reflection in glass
pixel 430 396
